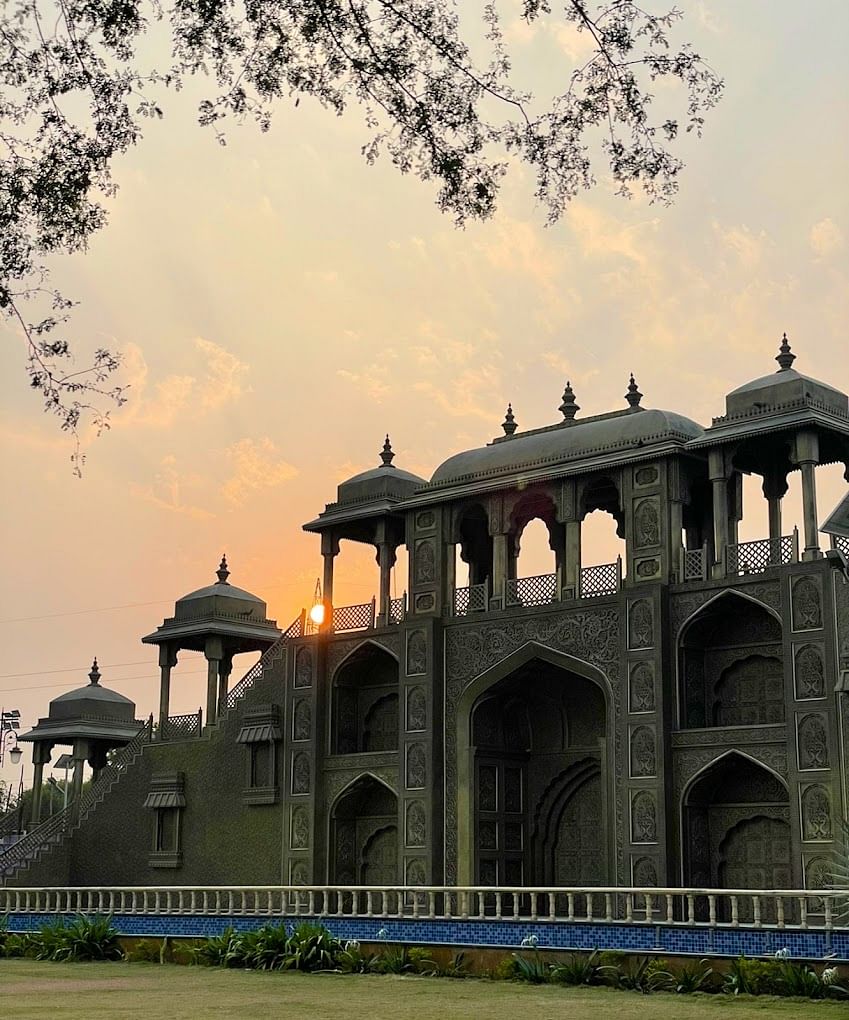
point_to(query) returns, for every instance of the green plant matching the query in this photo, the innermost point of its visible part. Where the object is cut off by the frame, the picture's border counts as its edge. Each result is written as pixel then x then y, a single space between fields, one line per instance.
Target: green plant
pixel 85 938
pixel 353 959
pixel 753 977
pixel 144 951
pixel 422 962
pixel 646 975
pixel 800 979
pixel 506 970
pixel 218 950
pixel 583 970
pixel 311 947
pixel 395 960
pixel 457 968
pixel 693 977
pixel 266 948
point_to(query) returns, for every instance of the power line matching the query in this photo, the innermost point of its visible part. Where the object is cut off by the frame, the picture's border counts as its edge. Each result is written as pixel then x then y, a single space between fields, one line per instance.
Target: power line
pixel 119 680
pixel 71 669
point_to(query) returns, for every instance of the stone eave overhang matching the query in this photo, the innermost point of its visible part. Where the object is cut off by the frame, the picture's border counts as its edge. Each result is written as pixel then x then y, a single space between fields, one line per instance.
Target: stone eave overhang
pixel 74 729
pixel 546 471
pixel 355 510
pixel 208 625
pixel 730 429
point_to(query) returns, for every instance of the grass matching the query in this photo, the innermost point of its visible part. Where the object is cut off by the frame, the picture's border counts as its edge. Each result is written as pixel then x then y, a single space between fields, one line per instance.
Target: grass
pixel 117 990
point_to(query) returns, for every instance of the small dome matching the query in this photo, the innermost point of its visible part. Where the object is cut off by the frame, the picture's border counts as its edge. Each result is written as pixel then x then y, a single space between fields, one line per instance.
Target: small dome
pixel 191 604
pixel 92 700
pixel 383 481
pixel 782 389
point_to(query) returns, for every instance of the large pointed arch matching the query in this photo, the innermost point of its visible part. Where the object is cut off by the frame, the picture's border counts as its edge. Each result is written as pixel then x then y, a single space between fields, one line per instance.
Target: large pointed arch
pixel 368 674
pixel 373 802
pixel 483 682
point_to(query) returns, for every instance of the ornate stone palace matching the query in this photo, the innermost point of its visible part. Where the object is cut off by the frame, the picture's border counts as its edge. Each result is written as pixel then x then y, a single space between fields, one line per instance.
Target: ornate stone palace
pixel 678 718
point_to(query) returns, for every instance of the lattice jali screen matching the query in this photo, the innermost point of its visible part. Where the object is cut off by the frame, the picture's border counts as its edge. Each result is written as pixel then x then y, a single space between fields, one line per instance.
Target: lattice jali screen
pixel 359 617
pixel 397 609
pixel 841 542
pixel 531 591
pixel 470 600
pixel 600 580
pixel 695 564
pixel 182 727
pixel 755 557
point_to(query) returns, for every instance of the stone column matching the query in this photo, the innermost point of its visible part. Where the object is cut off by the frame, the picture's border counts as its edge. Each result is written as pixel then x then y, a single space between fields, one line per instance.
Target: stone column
pixel 807 457
pixel 40 757
pixel 167 661
pixel 449 573
pixel 225 668
pixel 719 481
pixel 79 755
pixel 214 653
pixel 572 558
pixel 385 560
pixel 500 565
pixel 329 551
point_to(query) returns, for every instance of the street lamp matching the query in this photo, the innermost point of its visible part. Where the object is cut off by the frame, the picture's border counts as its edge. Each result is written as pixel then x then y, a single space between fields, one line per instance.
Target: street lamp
pixel 9 722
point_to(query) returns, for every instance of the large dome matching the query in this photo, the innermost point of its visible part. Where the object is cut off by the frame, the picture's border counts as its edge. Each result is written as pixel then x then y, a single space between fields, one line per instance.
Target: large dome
pixel 569 442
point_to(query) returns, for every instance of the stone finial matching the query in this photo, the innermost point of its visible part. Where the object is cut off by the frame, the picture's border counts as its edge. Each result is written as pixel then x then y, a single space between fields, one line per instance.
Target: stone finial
pixel 633 396
pixel 223 572
pixel 386 454
pixel 785 356
pixel 94 675
pixel 509 424
pixel 569 408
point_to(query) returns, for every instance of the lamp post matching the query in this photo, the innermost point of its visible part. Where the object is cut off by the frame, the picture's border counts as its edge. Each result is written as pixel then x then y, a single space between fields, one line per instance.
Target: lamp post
pixel 9 723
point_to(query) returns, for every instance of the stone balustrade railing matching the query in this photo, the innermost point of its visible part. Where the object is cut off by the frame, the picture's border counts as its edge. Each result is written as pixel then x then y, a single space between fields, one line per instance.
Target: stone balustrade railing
pixel 800 909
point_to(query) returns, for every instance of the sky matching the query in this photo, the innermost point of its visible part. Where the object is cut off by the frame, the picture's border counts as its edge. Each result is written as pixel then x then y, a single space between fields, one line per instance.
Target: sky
pixel 281 306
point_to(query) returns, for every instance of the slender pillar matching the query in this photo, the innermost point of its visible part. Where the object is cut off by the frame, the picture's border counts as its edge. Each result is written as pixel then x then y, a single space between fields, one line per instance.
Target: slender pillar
pixel 807 457
pixel 214 653
pixel 385 560
pixel 225 668
pixel 79 755
pixel 329 551
pixel 499 565
pixel 572 559
pixel 167 661
pixel 774 509
pixel 449 572
pixel 40 757
pixel 719 483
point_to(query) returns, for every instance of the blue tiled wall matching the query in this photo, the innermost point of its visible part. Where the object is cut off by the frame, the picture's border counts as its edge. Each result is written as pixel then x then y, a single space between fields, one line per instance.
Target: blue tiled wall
pixel 506 934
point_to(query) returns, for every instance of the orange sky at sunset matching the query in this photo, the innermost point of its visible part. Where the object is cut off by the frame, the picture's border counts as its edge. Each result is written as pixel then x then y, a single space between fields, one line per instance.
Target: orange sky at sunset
pixel 281 306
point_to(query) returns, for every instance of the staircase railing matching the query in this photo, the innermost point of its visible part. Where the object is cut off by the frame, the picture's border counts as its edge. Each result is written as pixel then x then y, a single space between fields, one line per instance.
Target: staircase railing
pixel 28 846
pixel 295 629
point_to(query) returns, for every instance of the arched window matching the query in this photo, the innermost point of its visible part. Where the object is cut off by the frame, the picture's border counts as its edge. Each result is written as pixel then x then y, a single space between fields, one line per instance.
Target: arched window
pixel 365 702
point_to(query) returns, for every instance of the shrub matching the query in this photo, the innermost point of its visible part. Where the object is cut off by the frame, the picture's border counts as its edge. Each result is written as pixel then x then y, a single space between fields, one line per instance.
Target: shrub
pixel 422 963
pixel 457 968
pixel 646 975
pixel 85 938
pixel 395 960
pixel 266 948
pixel 144 951
pixel 311 947
pixel 583 970
pixel 753 977
pixel 219 950
pixel 353 959
pixel 694 977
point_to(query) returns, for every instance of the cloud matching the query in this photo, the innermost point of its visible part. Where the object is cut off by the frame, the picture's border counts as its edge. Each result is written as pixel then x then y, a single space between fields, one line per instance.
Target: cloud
pixel 256 466
pixel 165 493
pixel 218 379
pixel 825 238
pixel 373 380
pixel 749 248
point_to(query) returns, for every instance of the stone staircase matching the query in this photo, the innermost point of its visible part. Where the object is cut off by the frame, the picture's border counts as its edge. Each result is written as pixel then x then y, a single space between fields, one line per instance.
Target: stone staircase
pixel 46 838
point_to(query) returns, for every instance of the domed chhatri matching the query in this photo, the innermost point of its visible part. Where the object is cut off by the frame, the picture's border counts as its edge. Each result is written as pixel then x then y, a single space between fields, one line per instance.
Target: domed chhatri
pixel 386 482
pixel 91 719
pixel 219 620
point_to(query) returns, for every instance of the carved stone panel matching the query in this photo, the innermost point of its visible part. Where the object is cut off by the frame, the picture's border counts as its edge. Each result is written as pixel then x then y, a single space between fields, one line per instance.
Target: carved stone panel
pixel 643 752
pixel 816 813
pixel 301 774
pixel 300 829
pixel 416 767
pixel 640 624
pixel 425 562
pixel 425 520
pixel 417 872
pixel 416 653
pixel 416 828
pixel 299 874
pixel 806 601
pixel 647 569
pixel 644 872
pixel 425 602
pixel 809 672
pixel 416 709
pixel 643 817
pixel 647 524
pixel 303 667
pixel 645 475
pixel 641 696
pixel 812 742
pixel 302 719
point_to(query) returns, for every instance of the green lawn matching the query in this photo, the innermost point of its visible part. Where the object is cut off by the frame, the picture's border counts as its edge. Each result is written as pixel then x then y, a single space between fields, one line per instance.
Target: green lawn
pixel 115 990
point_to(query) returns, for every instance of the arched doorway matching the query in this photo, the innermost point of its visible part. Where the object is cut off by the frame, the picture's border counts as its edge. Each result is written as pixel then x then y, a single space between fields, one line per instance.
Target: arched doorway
pixel 730 665
pixel 364 835
pixel 365 702
pixel 736 823
pixel 539 801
